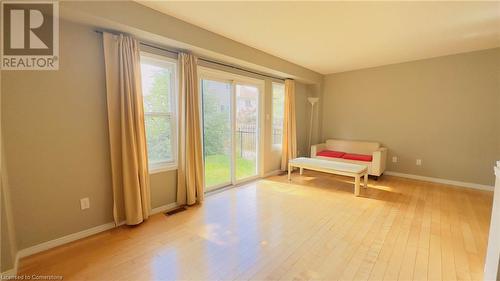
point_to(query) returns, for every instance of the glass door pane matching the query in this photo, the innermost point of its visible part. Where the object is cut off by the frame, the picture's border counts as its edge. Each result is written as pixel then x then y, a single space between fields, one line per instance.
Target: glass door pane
pixel 217 148
pixel 246 131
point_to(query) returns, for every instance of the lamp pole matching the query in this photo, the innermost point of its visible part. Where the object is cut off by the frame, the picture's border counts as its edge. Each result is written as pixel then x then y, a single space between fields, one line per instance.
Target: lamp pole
pixel 312 101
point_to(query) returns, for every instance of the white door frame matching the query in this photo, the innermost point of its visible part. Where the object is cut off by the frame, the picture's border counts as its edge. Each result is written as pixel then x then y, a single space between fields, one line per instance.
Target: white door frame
pixel 234 79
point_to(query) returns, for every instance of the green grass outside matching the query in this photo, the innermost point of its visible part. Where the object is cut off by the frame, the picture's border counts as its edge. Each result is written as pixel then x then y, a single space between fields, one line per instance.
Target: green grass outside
pixel 217 169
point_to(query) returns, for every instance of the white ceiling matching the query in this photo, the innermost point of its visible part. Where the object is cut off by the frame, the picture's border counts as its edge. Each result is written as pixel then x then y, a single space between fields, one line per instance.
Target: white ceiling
pixel 330 37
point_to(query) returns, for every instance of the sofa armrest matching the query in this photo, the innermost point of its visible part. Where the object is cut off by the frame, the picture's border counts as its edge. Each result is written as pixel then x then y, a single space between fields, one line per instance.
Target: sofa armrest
pixel 379 161
pixel 317 148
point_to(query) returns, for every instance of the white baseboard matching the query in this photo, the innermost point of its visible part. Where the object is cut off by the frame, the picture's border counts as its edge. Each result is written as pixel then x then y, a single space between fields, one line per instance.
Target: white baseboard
pixel 57 242
pixel 443 181
pixel 16 264
pixel 10 272
pixel 164 208
pixel 64 240
pixel 82 234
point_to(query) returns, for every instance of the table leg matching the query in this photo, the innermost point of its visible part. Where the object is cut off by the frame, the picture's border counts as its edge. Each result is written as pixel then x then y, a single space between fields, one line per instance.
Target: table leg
pixel 356 185
pixel 301 171
pixel 289 172
pixel 366 180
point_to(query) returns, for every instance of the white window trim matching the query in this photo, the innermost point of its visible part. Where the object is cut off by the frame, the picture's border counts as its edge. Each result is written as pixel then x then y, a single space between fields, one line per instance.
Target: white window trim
pixel 274 146
pixel 161 167
pixel 165 166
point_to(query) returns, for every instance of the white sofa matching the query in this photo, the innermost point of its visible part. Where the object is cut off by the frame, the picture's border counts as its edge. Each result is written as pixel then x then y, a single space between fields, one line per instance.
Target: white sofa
pixel 371 154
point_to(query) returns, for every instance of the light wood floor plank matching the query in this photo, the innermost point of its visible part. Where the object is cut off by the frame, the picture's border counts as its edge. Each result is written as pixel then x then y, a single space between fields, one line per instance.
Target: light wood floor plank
pixel 396 260
pixel 310 229
pixel 461 262
pixel 410 254
pixel 370 259
pixel 434 268
pixel 422 256
pixel 357 259
pixel 383 259
pixel 447 257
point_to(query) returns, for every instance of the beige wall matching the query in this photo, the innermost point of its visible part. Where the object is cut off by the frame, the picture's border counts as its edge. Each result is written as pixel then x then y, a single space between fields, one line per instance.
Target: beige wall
pixel 273 162
pixel 56 142
pixel 8 245
pixel 163 188
pixel 445 111
pixel 55 130
pixel 7 261
pixel 302 112
pixel 7 236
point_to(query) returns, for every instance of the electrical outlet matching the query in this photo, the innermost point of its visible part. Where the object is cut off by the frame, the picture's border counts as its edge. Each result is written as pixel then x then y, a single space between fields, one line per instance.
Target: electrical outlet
pixel 84 203
pixel 394 159
pixel 419 162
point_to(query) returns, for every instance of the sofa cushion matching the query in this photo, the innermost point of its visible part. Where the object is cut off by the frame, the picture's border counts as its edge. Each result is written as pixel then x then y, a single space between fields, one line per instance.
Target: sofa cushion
pixel 358 157
pixel 331 153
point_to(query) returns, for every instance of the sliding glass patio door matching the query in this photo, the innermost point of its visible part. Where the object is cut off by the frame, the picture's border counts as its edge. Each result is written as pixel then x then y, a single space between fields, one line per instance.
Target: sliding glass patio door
pixel 246 137
pixel 217 136
pixel 231 115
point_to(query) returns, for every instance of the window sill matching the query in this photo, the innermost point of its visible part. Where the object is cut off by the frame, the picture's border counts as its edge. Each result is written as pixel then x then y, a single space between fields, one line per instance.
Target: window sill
pixel 161 169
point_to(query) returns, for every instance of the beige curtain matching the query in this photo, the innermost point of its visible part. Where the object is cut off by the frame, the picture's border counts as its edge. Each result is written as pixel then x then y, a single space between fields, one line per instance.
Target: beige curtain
pixel 190 175
pixel 127 138
pixel 289 145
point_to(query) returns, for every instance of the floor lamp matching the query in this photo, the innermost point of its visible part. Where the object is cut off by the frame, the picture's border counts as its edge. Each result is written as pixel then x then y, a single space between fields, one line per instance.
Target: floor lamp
pixel 312 101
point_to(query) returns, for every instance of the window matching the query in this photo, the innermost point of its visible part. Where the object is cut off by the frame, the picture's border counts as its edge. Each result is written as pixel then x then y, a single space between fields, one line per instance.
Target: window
pixel 278 112
pixel 159 87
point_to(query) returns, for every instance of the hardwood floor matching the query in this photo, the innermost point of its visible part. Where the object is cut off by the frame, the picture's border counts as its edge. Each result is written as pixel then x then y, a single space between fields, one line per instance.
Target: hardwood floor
pixel 312 228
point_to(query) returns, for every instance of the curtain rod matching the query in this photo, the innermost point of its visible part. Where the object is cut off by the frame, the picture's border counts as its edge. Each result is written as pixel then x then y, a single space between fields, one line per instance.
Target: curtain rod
pixel 174 51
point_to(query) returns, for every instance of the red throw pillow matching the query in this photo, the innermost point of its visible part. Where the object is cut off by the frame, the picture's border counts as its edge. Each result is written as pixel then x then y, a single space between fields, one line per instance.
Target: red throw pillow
pixel 358 157
pixel 331 153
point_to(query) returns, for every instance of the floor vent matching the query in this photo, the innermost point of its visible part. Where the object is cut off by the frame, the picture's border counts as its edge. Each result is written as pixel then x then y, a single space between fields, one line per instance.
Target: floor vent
pixel 175 211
